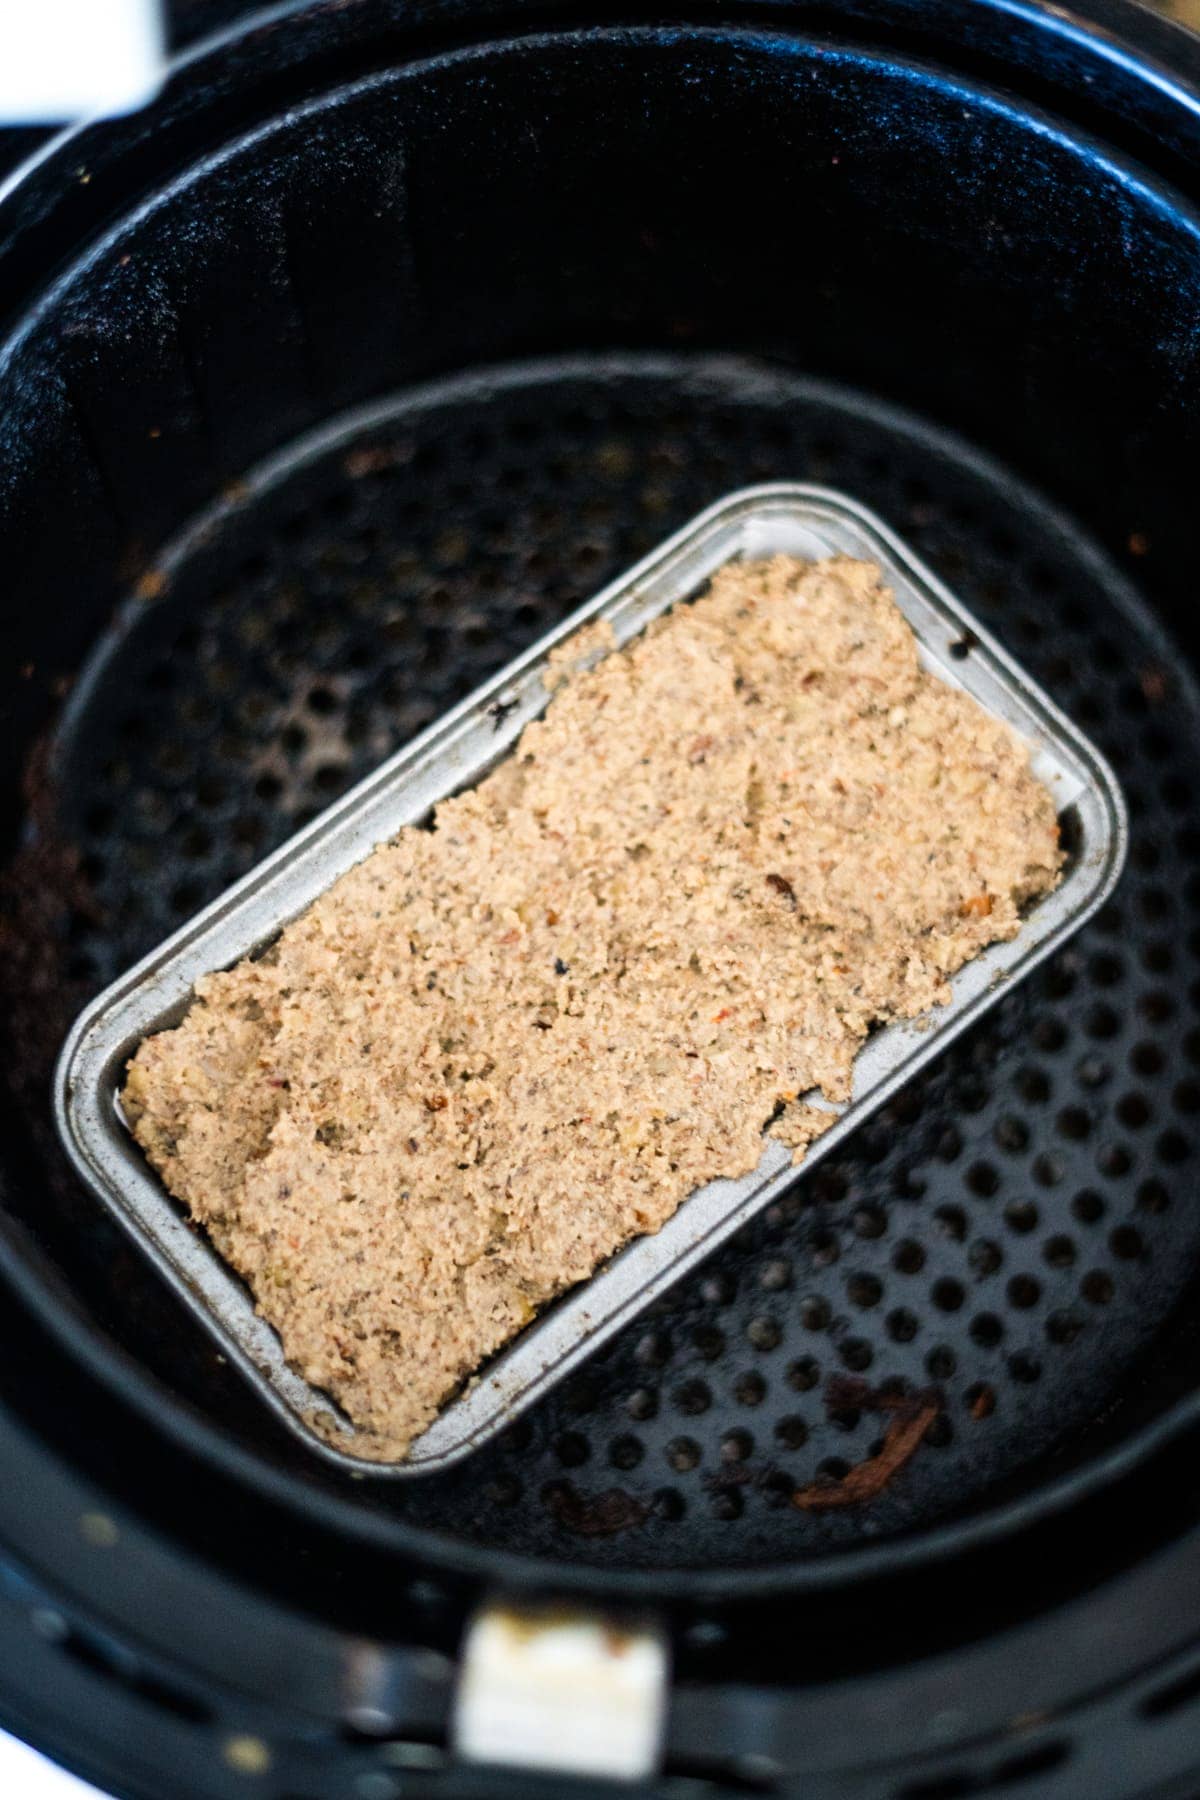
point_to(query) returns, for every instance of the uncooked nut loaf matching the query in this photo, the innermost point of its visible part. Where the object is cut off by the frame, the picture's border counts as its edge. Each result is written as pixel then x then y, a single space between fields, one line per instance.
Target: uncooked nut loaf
pixel 505 1044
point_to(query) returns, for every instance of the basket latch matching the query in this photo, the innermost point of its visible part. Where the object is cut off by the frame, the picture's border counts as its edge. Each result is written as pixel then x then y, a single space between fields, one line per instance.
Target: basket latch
pixel 553 1687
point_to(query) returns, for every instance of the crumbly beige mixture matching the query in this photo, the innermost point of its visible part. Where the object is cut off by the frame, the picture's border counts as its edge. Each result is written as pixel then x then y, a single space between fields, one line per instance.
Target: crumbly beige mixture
pixel 497 1049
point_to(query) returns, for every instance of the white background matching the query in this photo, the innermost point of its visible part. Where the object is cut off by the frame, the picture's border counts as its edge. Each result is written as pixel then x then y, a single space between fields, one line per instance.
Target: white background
pixel 64 59
pixel 24 1775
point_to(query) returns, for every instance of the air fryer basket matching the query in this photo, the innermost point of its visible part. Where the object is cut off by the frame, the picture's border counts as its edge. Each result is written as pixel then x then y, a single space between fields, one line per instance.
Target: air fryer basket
pixel 1004 1232
pixel 552 286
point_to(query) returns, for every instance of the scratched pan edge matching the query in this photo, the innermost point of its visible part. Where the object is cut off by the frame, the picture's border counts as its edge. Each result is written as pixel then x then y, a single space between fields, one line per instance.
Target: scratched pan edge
pixel 455 752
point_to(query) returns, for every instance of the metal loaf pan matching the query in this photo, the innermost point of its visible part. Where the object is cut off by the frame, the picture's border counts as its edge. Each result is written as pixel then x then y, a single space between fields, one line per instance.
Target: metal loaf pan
pixel 797 519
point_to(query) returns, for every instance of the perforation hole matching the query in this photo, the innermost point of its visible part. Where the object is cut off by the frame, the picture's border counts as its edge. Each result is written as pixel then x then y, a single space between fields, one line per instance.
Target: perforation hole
pixel 1022 1216
pixel 902 1325
pixel 804 1374
pixel 987 1329
pixel 764 1333
pixel 864 1290
pixel 1024 1291
pixel 947 1295
pixel 1087 1207
pixel 908 1257
pixel 1127 1243
pixel 984 1258
pixel 683 1454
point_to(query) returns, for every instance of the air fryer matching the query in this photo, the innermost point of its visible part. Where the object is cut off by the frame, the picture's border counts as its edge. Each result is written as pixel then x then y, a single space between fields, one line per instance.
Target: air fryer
pixel 330 380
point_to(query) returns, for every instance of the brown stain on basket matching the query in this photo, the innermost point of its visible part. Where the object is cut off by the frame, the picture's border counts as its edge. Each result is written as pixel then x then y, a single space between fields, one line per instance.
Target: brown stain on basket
pixel 596 1515
pixel 912 1415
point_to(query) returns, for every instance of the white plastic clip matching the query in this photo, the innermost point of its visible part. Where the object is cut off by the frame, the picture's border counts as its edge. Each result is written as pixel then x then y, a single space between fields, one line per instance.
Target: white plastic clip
pixel 553 1688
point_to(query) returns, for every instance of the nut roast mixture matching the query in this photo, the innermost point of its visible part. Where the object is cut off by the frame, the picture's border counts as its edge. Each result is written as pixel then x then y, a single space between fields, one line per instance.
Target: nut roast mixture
pixel 503 1045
